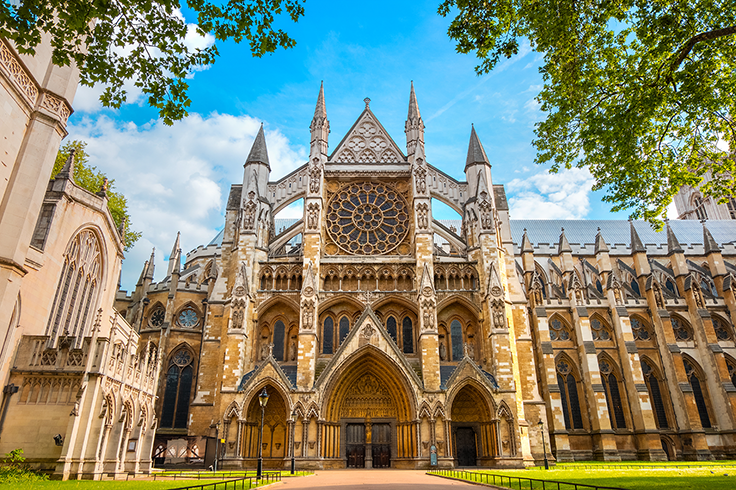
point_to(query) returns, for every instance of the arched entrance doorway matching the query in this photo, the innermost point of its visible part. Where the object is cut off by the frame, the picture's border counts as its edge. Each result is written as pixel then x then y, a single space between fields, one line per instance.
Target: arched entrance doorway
pixel 473 433
pixel 369 416
pixel 275 433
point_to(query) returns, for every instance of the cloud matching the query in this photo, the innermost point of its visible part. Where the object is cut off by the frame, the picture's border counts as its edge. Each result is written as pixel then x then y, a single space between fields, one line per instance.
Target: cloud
pixel 565 195
pixel 177 178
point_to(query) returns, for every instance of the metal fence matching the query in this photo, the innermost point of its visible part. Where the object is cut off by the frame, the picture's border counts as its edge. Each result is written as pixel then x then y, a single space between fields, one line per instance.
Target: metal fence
pixel 241 483
pixel 665 466
pixel 516 482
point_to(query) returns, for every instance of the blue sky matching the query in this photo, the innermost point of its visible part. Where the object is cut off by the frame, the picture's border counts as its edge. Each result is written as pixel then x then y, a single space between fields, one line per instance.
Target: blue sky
pixel 177 178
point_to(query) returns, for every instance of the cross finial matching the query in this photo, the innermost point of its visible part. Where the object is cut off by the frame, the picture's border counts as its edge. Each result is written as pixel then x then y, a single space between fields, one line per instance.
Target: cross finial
pixel 367 102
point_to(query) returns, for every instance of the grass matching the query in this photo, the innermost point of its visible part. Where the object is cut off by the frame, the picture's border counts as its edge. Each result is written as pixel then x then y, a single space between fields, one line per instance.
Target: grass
pixel 705 476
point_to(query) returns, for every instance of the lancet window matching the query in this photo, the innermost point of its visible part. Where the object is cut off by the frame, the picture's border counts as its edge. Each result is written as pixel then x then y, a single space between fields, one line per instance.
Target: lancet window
pixel 344 328
pixel 391 327
pixel 76 292
pixel 696 382
pixel 613 393
pixel 655 393
pixel 279 333
pixel 175 410
pixel 569 395
pixel 456 339
pixel 328 328
pixel 407 334
pixel 731 364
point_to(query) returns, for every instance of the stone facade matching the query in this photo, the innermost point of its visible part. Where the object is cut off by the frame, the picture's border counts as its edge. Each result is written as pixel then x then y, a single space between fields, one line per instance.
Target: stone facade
pixel 384 336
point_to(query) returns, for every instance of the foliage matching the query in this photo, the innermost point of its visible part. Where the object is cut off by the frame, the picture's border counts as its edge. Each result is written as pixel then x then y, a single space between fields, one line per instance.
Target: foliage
pixel 143 40
pixel 638 91
pixel 90 178
pixel 15 469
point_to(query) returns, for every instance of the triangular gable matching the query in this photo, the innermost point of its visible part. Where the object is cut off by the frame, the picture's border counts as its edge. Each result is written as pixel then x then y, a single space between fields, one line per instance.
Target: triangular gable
pixel 467 368
pixel 367 142
pixel 368 330
pixel 268 369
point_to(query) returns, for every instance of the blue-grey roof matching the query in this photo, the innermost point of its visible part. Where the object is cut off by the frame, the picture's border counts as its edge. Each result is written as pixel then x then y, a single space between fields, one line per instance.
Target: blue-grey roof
pixel 290 372
pixel 218 238
pixel 545 235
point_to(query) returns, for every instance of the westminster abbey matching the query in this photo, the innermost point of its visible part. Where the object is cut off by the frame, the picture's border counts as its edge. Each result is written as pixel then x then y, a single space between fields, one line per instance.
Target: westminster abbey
pixel 384 337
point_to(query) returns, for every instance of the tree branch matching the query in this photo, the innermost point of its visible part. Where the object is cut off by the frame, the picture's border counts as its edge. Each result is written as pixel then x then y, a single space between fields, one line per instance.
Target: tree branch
pixel 703 36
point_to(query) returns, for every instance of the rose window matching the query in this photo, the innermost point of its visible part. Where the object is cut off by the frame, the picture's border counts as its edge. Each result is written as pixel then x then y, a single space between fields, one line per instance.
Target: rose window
pixel 368 218
pixel 188 318
pixel 157 317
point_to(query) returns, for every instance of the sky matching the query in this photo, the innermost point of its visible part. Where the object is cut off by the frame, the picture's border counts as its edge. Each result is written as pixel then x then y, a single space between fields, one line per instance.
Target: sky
pixel 176 178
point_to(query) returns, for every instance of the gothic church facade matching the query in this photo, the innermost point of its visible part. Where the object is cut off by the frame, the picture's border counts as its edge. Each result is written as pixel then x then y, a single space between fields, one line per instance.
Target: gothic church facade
pixel 386 337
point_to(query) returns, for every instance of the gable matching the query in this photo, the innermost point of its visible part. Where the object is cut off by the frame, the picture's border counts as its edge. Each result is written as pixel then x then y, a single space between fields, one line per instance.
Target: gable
pixel 367 142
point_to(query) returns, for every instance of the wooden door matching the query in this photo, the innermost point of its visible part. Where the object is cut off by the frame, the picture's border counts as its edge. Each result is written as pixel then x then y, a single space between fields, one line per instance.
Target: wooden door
pixel 381 445
pixel 355 445
pixel 465 446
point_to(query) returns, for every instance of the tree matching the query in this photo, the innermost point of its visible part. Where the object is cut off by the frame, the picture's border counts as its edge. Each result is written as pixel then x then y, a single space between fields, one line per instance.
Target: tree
pixel 88 177
pixel 113 41
pixel 639 91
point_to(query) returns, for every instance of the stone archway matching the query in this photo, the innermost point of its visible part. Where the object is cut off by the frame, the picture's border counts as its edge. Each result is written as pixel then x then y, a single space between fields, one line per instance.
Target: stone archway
pixel 275 430
pixel 369 414
pixel 474 434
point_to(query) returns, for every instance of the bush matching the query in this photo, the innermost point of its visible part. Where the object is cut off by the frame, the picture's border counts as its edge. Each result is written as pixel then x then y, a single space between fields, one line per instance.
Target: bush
pixel 15 469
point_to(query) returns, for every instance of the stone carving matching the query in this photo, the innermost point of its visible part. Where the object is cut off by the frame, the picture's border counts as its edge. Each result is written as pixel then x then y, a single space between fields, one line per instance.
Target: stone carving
pixel 312 215
pixel 249 214
pixel 307 314
pixel 368 397
pixel 697 294
pixel 617 291
pixel 443 351
pixel 499 316
pixel 293 349
pixel 315 176
pixel 658 299
pixel 370 143
pixel 19 75
pixel 577 289
pixel 423 215
pixel 427 314
pixel 486 212
pixel 56 106
pixel 420 177
pixel 368 331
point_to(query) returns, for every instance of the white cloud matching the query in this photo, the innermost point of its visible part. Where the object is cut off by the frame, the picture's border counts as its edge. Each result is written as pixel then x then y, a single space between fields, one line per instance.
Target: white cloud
pixel 177 178
pixel 565 195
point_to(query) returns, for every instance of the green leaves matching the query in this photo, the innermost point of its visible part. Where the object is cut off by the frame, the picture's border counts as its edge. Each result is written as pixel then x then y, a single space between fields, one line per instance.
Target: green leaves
pixel 113 41
pixel 641 92
pixel 90 178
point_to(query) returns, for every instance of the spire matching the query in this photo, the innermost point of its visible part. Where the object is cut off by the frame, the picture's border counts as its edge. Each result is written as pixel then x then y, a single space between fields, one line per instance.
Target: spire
pixel 414 126
pixel 150 266
pixel 174 257
pixel 711 246
pixel 636 245
pixel 320 127
pixel 564 245
pixel 600 243
pixel 67 171
pixel 143 274
pixel 673 246
pixel 476 153
pixel 177 262
pixel 259 152
pixel 526 244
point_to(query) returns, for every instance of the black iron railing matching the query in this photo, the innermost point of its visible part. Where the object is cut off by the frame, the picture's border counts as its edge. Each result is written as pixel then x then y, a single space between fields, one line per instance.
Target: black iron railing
pixel 516 482
pixel 665 466
pixel 240 483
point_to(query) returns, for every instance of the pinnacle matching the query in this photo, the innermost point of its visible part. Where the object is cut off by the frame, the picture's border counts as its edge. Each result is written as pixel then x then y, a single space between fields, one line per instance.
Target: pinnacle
pixel 414 114
pixel 67 171
pixel 636 244
pixel 673 245
pixel 564 245
pixel 526 244
pixel 320 111
pixel 476 153
pixel 600 243
pixel 259 152
pixel 711 246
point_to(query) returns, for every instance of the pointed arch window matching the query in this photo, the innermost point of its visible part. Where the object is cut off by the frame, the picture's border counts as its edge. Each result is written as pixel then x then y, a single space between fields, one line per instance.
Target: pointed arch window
pixel 407 335
pixel 328 328
pixel 600 330
pixel 731 370
pixel 391 327
pixel 456 339
pixel 344 328
pixel 641 329
pixel 655 393
pixel 731 204
pixel 178 389
pixel 279 332
pixel 76 292
pixel 635 287
pixel 613 394
pixel 696 383
pixel 723 330
pixel 700 210
pixel 569 395
pixel 683 331
pixel 559 331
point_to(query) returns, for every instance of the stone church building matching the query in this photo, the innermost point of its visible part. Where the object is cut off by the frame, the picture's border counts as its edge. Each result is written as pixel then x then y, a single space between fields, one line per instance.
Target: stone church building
pixel 385 336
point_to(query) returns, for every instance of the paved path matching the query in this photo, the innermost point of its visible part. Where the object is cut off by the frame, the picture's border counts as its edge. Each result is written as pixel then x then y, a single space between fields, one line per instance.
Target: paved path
pixel 372 480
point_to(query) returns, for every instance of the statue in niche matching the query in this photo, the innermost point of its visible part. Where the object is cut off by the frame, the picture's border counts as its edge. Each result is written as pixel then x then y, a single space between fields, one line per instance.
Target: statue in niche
pixel 293 350
pixel 470 349
pixel 420 177
pixel 312 215
pixel 315 175
pixel 443 351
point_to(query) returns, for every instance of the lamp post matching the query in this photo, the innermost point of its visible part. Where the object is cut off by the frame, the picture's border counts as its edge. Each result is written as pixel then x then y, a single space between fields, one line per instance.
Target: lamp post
pixel 293 428
pixel 544 444
pixel 217 443
pixel 262 399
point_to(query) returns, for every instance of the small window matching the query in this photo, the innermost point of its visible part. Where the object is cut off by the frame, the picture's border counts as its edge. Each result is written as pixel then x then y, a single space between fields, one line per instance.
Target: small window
pixel 682 330
pixel 391 327
pixel 599 330
pixel 723 330
pixel 559 331
pixel 640 330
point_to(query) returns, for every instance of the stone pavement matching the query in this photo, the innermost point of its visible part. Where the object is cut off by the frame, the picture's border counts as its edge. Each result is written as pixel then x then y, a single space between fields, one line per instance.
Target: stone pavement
pixel 372 480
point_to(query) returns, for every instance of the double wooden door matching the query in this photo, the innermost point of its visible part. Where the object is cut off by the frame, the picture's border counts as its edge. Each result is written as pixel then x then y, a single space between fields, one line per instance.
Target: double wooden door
pixel 380 446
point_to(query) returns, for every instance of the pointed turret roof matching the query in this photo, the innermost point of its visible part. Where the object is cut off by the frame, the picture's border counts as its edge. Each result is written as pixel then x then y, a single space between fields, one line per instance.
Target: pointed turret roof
pixel 476 153
pixel 564 245
pixel 177 262
pixel 413 105
pixel 150 266
pixel 259 152
pixel 67 171
pixel 673 245
pixel 710 244
pixel 174 257
pixel 320 111
pixel 636 245
pixel 143 274
pixel 526 244
pixel 600 243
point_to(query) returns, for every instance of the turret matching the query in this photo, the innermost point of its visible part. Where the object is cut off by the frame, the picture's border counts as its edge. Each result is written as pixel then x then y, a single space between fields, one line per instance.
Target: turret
pixel 476 162
pixel 564 251
pixel 601 253
pixel 257 167
pixel 639 251
pixel 175 256
pixel 320 128
pixel 414 127
pixel 676 253
pixel 713 254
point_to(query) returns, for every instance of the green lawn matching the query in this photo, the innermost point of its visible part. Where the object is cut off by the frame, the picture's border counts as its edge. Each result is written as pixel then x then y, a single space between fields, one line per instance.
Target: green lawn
pixel 664 477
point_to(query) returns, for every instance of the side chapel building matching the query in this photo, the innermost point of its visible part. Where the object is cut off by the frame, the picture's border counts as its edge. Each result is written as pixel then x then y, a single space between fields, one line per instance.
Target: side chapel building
pixel 389 335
